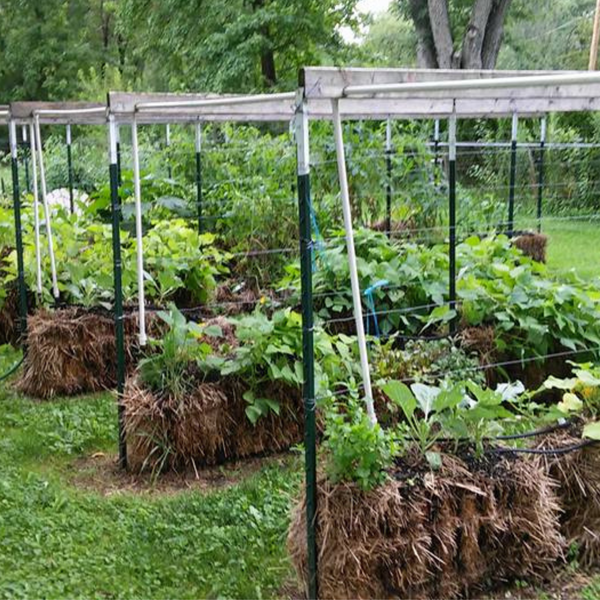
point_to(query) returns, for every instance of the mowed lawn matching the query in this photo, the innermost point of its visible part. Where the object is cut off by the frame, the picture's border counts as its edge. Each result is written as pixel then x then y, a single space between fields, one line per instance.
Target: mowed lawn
pixel 71 526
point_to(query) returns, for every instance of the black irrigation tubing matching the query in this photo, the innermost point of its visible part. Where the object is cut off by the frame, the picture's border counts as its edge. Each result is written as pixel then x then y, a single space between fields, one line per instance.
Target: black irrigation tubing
pixel 542 451
pixel 12 369
pixel 536 432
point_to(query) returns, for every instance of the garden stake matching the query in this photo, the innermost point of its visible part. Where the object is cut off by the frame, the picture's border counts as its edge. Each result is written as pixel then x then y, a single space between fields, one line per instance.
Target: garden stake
pixel 436 150
pixel 70 170
pixel 119 329
pixel 36 212
pixel 541 173
pixel 119 176
pixel 168 145
pixel 18 236
pixel 513 175
pixel 452 217
pixel 308 357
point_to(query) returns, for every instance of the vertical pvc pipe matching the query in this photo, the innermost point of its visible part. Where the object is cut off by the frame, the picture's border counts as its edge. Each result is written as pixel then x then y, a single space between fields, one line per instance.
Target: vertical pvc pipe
pixel 117 272
pixel 436 150
pixel 168 145
pixel 118 134
pixel 27 146
pixel 308 357
pixel 199 177
pixel 388 186
pixel 452 218
pixel 139 233
pixel 21 289
pixel 36 211
pixel 356 296
pixel 540 196
pixel 513 176
pixel 70 170
pixel 47 213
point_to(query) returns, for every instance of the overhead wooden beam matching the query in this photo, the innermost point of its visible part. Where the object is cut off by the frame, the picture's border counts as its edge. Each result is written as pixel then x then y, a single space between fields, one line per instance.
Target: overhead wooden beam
pixel 59 113
pixel 322 84
pixel 124 105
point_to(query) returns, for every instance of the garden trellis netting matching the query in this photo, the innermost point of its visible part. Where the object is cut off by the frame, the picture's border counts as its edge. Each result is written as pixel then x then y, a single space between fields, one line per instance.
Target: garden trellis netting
pixel 382 94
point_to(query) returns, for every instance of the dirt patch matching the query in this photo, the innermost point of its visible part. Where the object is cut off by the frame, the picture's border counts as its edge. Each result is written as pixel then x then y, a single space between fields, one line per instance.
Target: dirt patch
pixel 432 534
pixel 101 473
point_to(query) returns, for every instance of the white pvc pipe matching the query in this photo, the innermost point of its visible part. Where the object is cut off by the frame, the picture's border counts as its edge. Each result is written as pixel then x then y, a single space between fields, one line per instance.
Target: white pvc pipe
pixel 168 134
pixel 47 214
pixel 36 209
pixel 24 133
pixel 138 233
pixel 223 101
pixel 436 131
pixel 69 111
pixel 68 134
pixel 543 127
pixel 388 135
pixel 356 298
pixel 582 78
pixel 198 137
pixel 515 127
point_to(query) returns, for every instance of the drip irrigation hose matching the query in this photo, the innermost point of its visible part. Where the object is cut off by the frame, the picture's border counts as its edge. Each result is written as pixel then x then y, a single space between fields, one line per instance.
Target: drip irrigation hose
pixel 12 369
pixel 543 451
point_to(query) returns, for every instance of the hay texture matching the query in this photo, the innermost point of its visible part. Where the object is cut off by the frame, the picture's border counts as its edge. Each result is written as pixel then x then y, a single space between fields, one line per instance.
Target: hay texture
pixel 206 427
pixel 532 245
pixel 578 477
pixel 73 351
pixel 438 534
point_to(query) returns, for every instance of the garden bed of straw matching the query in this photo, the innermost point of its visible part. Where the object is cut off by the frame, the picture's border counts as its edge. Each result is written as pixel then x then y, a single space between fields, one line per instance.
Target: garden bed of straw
pixel 433 534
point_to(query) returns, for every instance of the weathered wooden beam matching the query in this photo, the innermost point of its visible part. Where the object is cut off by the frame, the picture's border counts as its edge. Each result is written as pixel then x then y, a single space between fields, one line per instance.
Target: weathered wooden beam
pixel 59 113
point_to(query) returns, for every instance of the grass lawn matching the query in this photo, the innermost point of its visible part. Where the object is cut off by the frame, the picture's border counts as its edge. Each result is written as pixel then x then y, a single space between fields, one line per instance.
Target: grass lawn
pixel 71 528
pixel 572 244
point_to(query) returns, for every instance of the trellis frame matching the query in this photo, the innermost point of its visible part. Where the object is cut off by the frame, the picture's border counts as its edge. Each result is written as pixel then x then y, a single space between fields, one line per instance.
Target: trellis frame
pixel 383 94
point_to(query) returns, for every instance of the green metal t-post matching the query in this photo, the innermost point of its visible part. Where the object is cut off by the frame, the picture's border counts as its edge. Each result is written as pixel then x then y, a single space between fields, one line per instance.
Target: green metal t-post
pixel 308 357
pixel 388 181
pixel 452 218
pixel 27 147
pixel 21 289
pixel 117 271
pixel 70 170
pixel 540 195
pixel 513 176
pixel 199 177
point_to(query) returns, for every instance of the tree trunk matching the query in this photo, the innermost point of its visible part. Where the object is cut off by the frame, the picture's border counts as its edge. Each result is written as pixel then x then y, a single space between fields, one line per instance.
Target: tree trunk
pixel 425 47
pixel 442 35
pixel 494 34
pixel 475 34
pixel 267 56
pixel 481 42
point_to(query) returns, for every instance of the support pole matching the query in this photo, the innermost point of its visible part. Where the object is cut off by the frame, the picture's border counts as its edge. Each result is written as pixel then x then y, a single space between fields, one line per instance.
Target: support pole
pixel 308 357
pixel 513 176
pixel 36 211
pixel 21 289
pixel 436 150
pixel 356 296
pixel 593 63
pixel 117 272
pixel 139 234
pixel 70 170
pixel 27 147
pixel 388 186
pixel 540 195
pixel 47 212
pixel 168 144
pixel 199 176
pixel 118 134
pixel 452 218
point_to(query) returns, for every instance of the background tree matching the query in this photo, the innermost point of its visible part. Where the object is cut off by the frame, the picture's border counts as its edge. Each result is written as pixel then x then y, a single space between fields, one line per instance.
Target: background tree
pixel 440 25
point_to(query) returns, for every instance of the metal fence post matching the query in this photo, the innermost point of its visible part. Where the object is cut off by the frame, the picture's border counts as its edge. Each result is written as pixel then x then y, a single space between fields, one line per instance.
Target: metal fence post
pixel 117 268
pixel 513 176
pixel 308 358
pixel 452 217
pixel 70 169
pixel 540 194
pixel 21 289
pixel 199 177
pixel 388 186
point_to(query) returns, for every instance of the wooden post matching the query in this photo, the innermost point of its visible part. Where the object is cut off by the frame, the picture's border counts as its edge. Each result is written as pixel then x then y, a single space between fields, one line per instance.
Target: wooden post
pixel 595 39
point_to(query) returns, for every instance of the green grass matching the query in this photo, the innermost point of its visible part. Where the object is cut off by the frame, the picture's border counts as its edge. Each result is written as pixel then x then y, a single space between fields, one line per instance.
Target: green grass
pixel 574 245
pixel 58 541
